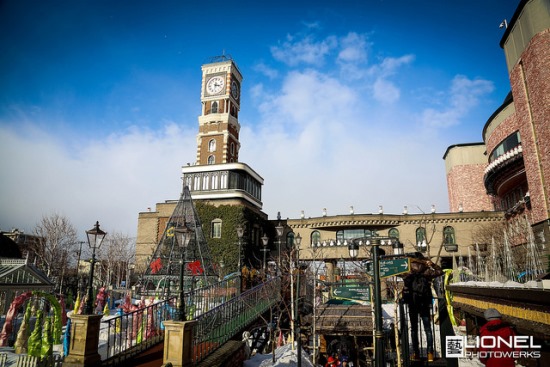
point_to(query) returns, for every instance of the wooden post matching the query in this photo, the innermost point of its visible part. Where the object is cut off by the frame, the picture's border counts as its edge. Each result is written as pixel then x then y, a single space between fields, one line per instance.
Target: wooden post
pixel 178 343
pixel 84 341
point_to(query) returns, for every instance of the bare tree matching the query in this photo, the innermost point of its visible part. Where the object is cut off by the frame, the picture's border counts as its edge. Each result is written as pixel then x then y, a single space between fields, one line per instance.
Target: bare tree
pixel 115 255
pixel 56 246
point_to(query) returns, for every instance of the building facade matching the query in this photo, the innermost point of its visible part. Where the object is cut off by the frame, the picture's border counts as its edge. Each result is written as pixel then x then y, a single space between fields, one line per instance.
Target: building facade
pixel 504 177
pixel 228 193
pixel 512 164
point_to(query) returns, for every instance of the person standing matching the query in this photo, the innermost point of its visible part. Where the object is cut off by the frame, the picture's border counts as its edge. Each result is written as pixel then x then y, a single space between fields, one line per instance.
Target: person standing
pixel 495 327
pixel 417 294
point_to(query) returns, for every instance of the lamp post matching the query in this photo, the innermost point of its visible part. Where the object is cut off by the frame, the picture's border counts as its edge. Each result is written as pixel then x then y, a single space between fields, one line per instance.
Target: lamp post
pixel 397 247
pixel 297 333
pixel 131 267
pixel 183 236
pixel 95 238
pixel 314 359
pixel 422 246
pixel 378 335
pixel 240 234
pixel 280 231
pixel 353 249
pixel 265 242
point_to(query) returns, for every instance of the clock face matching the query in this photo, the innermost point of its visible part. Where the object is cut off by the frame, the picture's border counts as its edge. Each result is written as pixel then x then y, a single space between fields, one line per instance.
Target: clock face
pixel 235 90
pixel 215 85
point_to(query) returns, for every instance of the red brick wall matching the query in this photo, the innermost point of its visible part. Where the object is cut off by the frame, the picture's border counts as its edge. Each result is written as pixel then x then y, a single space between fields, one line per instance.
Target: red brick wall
pixel 530 82
pixel 465 186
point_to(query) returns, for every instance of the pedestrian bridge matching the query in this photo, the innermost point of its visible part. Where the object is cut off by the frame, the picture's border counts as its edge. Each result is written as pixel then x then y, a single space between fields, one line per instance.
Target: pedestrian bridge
pixel 215 315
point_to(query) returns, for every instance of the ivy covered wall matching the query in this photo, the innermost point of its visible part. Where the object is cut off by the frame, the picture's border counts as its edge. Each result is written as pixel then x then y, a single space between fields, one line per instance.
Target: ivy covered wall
pixel 226 248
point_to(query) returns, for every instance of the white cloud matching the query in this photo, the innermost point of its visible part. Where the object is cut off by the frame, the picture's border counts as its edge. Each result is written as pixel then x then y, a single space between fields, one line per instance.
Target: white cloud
pixel 264 69
pixel 110 179
pixel 385 91
pixel 463 95
pixel 294 52
pixel 353 48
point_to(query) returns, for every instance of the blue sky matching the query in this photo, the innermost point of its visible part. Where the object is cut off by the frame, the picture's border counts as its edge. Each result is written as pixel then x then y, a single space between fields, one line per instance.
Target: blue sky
pixel 343 102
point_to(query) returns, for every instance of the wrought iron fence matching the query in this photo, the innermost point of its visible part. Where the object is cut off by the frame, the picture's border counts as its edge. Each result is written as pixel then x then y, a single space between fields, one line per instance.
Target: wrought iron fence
pixel 128 334
pixel 223 322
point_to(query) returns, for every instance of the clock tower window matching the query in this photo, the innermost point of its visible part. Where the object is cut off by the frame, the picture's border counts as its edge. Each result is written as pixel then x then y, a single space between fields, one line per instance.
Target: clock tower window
pixel 214 108
pixel 212 145
pixel 211 159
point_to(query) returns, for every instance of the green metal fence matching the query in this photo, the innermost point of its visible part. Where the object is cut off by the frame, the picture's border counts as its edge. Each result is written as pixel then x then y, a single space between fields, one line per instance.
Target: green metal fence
pixel 223 322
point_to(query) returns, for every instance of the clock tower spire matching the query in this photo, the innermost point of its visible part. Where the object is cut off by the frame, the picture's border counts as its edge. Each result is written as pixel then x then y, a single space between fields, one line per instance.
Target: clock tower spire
pixel 218 137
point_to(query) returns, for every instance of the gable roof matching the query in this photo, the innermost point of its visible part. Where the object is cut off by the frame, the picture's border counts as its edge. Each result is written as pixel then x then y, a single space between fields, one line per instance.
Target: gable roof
pixel 17 274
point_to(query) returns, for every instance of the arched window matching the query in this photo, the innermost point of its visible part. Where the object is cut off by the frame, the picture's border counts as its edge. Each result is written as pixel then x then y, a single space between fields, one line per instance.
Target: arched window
pixel 216 230
pixel 394 233
pixel 215 107
pixel 420 235
pixel 211 159
pixel 449 235
pixel 232 149
pixel 315 237
pixel 212 145
pixel 290 240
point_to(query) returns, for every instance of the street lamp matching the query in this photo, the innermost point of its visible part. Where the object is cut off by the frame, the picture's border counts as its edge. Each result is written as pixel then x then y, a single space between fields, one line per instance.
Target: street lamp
pixel 240 233
pixel 183 237
pixel 297 334
pixel 353 249
pixel 95 238
pixel 397 247
pixel 131 267
pixel 378 334
pixel 265 242
pixel 280 231
pixel 422 246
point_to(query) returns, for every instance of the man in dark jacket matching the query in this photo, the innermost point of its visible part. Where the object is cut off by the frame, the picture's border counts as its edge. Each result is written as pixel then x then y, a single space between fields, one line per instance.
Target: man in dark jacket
pixel 417 294
pixel 497 328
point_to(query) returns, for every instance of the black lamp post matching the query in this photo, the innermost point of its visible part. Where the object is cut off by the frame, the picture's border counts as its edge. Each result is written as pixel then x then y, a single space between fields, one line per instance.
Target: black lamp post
pixel 95 238
pixel 265 242
pixel 280 232
pixel 240 234
pixel 397 247
pixel 378 334
pixel 353 249
pixel 422 246
pixel 183 236
pixel 297 333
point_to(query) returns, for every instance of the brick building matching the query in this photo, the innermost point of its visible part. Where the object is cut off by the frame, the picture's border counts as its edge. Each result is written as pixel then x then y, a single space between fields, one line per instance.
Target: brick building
pixel 512 165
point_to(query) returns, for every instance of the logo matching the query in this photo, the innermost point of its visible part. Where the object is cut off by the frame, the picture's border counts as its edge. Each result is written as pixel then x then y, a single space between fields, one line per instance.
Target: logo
pixel 519 346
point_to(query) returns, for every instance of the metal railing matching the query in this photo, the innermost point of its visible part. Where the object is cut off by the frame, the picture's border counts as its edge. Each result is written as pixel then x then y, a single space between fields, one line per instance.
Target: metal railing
pixel 223 322
pixel 127 334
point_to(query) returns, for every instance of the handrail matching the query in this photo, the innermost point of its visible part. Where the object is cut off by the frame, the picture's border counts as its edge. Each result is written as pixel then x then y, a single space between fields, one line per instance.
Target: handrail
pixel 223 322
pixel 128 334
pixel 125 334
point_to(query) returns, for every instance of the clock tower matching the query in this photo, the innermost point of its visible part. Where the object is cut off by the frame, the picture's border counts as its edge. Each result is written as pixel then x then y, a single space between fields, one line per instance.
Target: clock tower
pixel 217 176
pixel 218 137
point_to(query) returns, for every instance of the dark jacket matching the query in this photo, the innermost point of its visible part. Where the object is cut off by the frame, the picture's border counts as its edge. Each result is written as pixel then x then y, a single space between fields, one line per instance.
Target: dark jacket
pixel 418 291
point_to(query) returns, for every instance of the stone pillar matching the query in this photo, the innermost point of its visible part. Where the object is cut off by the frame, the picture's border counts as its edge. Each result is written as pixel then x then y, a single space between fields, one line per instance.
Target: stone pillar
pixel 178 343
pixel 84 340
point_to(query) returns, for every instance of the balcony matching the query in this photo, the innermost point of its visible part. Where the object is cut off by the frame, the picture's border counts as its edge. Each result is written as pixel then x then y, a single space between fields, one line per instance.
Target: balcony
pixel 505 172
